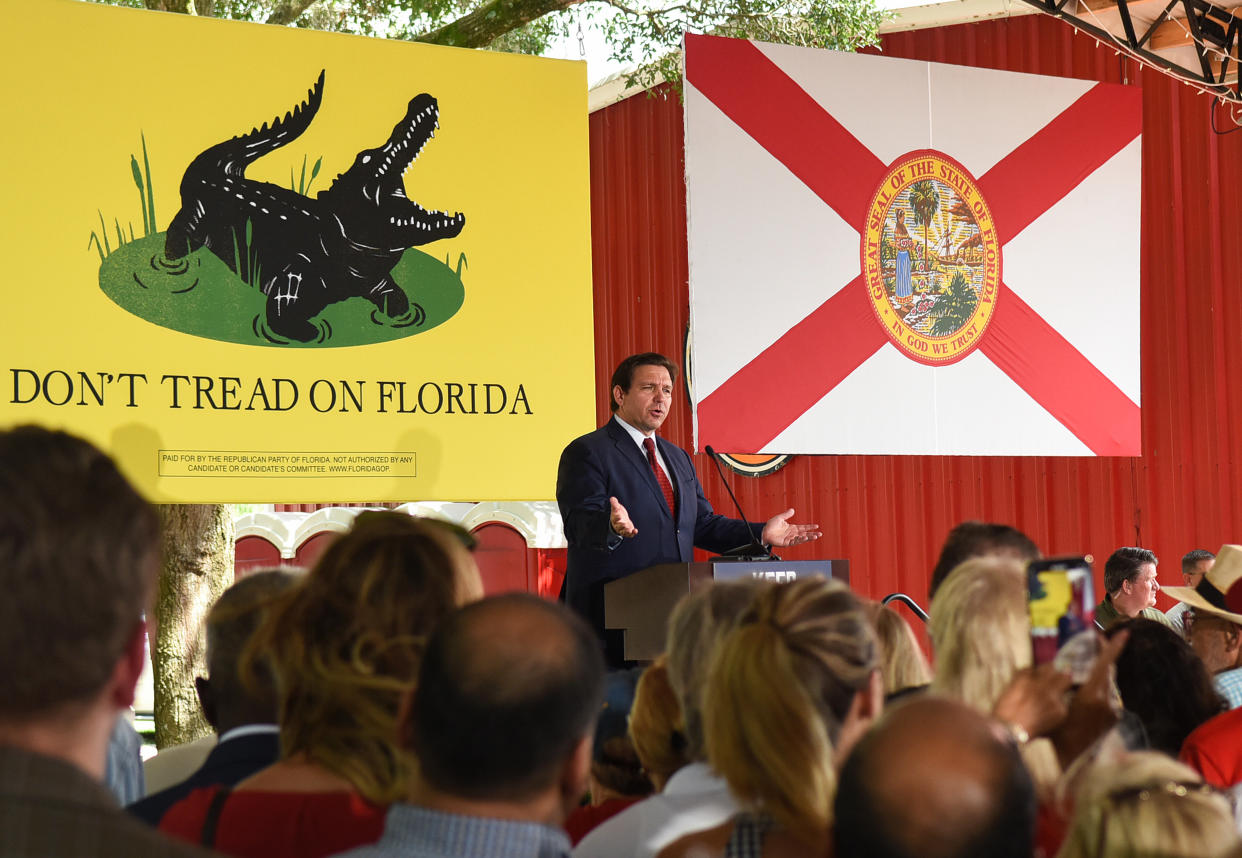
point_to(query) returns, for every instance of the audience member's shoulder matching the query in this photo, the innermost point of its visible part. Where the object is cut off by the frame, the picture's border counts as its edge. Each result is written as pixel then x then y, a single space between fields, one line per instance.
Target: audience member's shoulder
pixel 709 842
pixel 615 837
pixel 152 808
pixel 171 766
pixel 69 829
pixel 1227 723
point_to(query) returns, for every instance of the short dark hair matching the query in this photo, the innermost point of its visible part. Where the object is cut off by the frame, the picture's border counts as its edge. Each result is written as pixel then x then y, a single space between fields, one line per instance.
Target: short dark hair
pixel 869 826
pixel 1123 565
pixel 79 552
pixel 1191 559
pixel 508 686
pixel 623 376
pixel 231 623
pixel 977 539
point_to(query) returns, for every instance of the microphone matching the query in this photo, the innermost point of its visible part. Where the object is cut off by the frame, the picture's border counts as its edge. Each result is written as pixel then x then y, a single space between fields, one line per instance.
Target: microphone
pixel 755 550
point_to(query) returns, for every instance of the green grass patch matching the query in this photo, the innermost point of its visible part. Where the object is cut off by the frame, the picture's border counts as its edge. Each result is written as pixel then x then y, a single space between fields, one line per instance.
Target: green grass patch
pixel 202 297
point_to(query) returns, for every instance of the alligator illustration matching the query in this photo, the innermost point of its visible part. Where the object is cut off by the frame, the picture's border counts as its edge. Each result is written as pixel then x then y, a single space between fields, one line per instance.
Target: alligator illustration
pixel 309 253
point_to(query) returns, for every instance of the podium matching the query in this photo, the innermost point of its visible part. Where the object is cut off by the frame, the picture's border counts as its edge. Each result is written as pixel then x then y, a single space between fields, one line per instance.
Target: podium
pixel 640 604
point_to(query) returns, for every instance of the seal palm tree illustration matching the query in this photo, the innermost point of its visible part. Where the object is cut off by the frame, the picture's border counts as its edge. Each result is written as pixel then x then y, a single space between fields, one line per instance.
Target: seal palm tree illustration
pixel 925 202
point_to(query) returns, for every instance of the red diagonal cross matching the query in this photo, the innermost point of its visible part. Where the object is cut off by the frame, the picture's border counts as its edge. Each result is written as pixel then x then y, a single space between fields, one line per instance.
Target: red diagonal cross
pixel 779 115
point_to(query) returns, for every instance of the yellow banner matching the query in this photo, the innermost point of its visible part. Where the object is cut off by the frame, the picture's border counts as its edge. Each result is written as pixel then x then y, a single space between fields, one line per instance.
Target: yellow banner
pixel 267 264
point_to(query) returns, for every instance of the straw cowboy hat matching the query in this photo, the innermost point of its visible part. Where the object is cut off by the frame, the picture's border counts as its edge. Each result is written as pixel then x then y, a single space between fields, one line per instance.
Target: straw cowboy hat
pixel 1220 591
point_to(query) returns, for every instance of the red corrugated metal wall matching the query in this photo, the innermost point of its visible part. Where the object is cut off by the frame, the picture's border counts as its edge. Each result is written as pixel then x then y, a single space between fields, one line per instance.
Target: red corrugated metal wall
pixel 889 514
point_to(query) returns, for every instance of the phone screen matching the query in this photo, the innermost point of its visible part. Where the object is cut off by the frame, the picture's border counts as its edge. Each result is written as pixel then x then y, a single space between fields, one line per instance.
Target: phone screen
pixel 1060 602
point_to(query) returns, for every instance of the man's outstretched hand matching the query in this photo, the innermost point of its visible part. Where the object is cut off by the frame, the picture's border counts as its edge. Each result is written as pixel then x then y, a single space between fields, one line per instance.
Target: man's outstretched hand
pixel 619 520
pixel 780 532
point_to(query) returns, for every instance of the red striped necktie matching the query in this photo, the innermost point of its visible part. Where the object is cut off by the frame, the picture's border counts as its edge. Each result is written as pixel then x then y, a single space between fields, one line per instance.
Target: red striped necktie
pixel 661 477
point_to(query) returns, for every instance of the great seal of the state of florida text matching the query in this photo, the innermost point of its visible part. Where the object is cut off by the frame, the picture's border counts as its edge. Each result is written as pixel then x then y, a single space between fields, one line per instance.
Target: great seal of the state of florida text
pixel 931 259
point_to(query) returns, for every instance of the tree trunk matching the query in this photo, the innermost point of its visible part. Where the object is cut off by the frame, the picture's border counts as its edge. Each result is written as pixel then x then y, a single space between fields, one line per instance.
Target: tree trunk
pixel 197 567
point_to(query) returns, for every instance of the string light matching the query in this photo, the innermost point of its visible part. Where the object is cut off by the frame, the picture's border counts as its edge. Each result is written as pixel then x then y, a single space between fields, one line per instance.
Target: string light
pixel 1232 98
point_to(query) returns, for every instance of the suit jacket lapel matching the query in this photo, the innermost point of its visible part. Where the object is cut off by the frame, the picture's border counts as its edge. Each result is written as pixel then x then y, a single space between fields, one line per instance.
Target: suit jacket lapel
pixel 631 453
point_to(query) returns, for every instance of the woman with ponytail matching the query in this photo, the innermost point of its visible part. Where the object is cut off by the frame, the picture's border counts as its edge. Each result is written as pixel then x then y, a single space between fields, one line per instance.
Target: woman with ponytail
pixel 789 691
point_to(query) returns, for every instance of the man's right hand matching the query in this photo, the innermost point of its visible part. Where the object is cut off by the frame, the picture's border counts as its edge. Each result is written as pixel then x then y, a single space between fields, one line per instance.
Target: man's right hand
pixel 619 520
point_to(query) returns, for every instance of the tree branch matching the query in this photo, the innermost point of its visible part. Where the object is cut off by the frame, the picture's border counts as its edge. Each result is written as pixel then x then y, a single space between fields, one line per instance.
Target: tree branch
pixel 490 21
pixel 288 11
pixel 182 6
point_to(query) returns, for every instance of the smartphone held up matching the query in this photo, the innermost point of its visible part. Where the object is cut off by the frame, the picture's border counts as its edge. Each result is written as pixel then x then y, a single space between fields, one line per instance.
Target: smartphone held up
pixel 1060 602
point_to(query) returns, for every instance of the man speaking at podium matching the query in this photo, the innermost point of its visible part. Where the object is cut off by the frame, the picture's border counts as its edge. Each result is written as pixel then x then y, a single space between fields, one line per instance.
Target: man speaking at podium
pixel 630 500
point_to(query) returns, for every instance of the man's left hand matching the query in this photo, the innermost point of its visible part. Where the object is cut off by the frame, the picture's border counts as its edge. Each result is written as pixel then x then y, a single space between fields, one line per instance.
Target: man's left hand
pixel 779 531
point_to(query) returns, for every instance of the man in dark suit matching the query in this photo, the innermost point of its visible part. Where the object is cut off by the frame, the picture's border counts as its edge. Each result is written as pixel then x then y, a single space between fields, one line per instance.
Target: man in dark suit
pixel 79 552
pixel 630 500
pixel 243 714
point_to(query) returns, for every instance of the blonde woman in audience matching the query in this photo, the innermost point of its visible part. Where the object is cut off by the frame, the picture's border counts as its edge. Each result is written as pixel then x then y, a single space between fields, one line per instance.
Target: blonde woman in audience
pixel 694 797
pixel 979 629
pixel 981 637
pixel 902 661
pixel 345 647
pixel 656 727
pixel 789 692
pixel 1145 804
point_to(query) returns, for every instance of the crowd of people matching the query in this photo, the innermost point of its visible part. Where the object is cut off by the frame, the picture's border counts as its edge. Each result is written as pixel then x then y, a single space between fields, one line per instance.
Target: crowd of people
pixel 378 705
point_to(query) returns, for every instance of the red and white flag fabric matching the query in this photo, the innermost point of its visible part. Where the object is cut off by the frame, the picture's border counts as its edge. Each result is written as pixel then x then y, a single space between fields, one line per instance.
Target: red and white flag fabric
pixel 900 257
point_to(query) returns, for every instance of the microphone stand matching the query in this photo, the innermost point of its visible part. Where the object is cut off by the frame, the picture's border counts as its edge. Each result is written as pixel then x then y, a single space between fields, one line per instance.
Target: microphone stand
pixel 756 550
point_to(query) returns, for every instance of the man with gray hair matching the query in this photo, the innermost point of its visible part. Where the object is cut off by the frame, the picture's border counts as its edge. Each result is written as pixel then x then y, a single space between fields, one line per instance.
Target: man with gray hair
pixel 695 797
pixel 79 552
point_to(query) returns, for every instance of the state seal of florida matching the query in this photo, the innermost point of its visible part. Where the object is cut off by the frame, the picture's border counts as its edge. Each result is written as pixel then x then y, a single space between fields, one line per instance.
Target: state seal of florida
pixel 931 260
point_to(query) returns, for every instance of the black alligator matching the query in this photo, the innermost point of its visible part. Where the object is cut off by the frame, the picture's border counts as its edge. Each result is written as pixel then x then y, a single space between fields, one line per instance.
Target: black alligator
pixel 309 253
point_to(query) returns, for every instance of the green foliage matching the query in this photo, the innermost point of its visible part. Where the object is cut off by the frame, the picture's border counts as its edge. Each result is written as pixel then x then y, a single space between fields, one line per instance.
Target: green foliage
pixel 647 34
pixel 954 307
pixel 533 38
pixel 655 30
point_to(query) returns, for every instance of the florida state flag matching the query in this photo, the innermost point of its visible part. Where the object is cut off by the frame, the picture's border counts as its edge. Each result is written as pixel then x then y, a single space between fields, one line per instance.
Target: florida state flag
pixel 890 256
